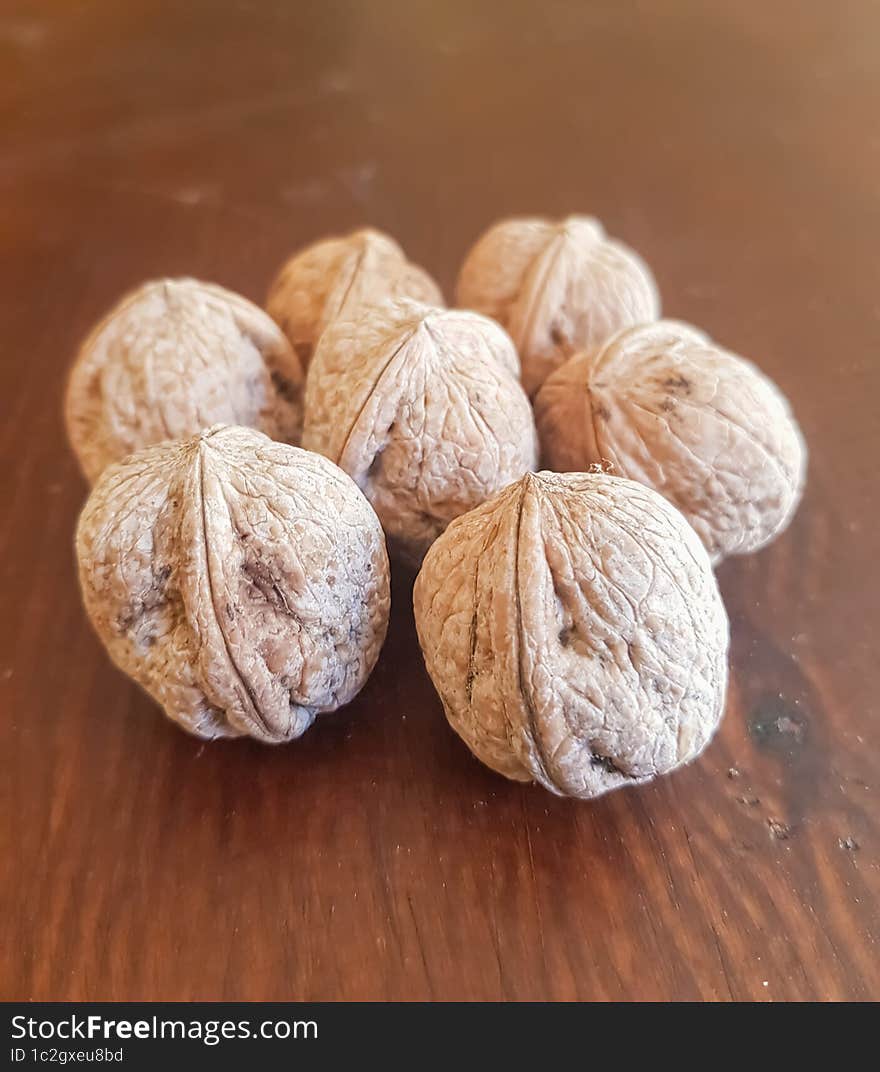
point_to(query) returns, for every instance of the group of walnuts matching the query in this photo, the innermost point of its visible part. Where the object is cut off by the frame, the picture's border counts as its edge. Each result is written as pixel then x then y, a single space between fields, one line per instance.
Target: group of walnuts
pixel 569 619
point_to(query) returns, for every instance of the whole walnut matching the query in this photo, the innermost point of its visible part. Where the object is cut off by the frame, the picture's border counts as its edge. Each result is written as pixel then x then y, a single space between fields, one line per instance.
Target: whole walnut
pixel 557 287
pixel 423 408
pixel 667 407
pixel 174 357
pixel 337 277
pixel 574 631
pixel 242 582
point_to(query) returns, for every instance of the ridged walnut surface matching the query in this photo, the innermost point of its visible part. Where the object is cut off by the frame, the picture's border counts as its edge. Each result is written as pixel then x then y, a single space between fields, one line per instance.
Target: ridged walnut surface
pixel 574 631
pixel 243 583
pixel 423 408
pixel 557 287
pixel 174 357
pixel 666 406
pixel 339 276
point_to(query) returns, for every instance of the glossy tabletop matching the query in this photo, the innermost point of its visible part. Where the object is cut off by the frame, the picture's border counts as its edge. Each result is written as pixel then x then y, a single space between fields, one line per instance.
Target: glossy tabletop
pixel 737 147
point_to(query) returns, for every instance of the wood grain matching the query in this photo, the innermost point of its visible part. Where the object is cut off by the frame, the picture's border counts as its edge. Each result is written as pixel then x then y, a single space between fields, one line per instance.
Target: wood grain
pixel 737 147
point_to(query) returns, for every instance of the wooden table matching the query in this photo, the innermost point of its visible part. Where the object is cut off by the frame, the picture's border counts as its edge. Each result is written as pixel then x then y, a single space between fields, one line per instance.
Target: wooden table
pixel 737 147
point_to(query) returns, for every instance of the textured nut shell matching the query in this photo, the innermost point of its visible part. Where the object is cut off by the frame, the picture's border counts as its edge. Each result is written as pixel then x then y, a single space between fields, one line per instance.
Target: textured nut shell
pixel 243 583
pixel 172 358
pixel 574 631
pixel 667 407
pixel 339 276
pixel 423 408
pixel 556 288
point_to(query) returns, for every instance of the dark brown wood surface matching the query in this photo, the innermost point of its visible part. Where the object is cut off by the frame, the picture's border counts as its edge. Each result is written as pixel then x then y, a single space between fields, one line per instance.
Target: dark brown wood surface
pixel 737 146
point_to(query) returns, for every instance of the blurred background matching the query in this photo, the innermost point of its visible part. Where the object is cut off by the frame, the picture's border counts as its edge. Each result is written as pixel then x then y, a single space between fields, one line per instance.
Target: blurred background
pixel 736 146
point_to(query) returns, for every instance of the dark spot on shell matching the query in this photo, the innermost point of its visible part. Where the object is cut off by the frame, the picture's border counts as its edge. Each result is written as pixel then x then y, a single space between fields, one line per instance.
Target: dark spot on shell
pixel 469 682
pixel 678 383
pixel 667 405
pixel 565 636
pixel 264 582
pixel 131 618
pixel 601 412
pixel 605 762
pixel 127 619
pixel 557 335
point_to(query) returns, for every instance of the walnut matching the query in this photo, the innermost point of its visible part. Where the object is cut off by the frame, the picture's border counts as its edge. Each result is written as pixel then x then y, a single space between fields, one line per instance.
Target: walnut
pixel 242 582
pixel 574 631
pixel 667 407
pixel 337 277
pixel 556 287
pixel 173 357
pixel 423 408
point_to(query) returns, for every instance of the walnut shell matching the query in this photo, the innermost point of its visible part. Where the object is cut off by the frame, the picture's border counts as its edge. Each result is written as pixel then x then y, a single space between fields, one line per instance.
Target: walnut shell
pixel 423 408
pixel 667 407
pixel 174 357
pixel 242 582
pixel 557 287
pixel 337 277
pixel 574 631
